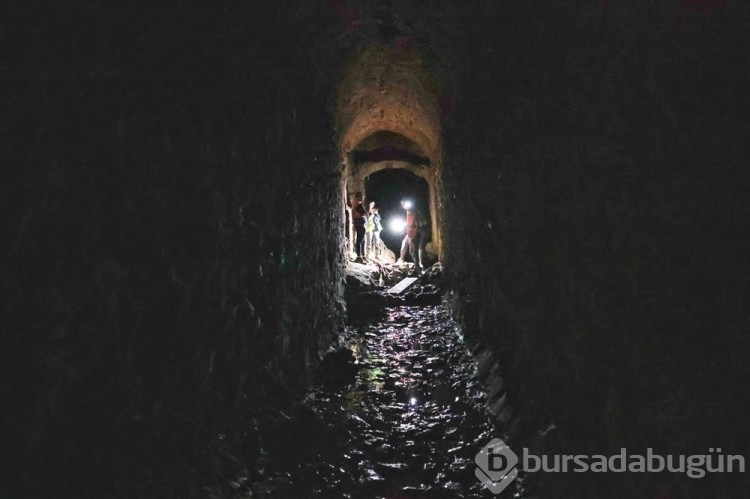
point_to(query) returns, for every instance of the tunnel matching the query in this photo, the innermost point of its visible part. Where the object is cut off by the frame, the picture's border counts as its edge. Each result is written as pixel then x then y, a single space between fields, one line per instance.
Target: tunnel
pixel 388 116
pixel 183 312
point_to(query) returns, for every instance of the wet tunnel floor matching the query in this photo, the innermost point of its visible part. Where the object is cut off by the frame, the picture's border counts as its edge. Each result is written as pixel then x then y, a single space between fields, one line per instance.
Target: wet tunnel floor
pixel 408 426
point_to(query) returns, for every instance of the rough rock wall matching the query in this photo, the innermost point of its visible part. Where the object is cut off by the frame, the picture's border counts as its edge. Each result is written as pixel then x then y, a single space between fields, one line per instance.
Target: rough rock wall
pixel 596 182
pixel 171 228
pixel 387 87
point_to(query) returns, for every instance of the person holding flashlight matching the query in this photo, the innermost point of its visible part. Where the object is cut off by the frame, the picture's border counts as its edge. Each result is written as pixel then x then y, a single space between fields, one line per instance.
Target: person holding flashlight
pixel 416 235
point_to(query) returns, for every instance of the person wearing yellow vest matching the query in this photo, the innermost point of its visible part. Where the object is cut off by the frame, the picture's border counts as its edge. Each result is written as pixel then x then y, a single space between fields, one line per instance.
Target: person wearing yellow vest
pixel 378 227
pixel 369 229
pixel 372 232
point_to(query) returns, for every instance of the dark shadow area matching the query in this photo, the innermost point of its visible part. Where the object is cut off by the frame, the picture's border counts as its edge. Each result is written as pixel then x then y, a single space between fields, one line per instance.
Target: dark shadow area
pixel 386 153
pixel 387 188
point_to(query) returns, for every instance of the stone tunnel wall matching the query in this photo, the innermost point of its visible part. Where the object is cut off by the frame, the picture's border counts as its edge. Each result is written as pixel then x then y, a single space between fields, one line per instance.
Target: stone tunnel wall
pixel 596 181
pixel 171 233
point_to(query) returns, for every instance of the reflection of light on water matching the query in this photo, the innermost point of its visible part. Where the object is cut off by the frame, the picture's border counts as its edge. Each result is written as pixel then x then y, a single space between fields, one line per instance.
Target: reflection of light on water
pixel 353 398
pixel 381 414
pixel 356 348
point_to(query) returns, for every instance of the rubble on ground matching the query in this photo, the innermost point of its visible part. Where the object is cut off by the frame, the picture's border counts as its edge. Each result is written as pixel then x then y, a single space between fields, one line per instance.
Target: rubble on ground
pixel 367 286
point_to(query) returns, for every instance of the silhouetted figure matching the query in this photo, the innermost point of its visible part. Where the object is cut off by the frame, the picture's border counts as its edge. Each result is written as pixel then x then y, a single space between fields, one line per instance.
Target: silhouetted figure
pixel 359 218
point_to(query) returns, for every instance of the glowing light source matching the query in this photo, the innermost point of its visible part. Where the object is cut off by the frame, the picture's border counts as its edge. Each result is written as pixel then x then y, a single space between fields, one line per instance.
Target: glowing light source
pixel 407 204
pixel 397 225
pixel 413 401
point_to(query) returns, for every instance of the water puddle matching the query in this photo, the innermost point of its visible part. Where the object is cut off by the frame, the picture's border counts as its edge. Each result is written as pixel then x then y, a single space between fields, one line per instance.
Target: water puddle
pixel 408 426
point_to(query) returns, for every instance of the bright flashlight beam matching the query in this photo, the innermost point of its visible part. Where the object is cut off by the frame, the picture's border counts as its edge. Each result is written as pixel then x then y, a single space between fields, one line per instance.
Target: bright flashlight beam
pixel 397 225
pixel 407 204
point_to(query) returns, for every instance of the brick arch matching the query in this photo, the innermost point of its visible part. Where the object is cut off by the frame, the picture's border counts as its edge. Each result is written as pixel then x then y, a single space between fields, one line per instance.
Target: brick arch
pixel 390 117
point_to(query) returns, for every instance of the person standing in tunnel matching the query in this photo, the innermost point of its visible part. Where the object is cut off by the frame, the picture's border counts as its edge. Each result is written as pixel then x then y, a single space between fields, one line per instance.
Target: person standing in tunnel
pixel 416 235
pixel 369 229
pixel 359 218
pixel 424 234
pixel 378 228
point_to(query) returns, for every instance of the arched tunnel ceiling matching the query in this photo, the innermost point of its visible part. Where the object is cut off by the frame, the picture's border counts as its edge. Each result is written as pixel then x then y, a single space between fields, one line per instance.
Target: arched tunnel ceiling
pixel 388 146
pixel 389 89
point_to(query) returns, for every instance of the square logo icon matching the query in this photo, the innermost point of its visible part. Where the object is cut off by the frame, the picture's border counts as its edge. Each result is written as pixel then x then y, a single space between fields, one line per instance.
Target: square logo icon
pixel 496 465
